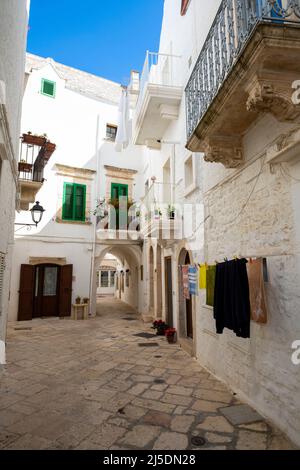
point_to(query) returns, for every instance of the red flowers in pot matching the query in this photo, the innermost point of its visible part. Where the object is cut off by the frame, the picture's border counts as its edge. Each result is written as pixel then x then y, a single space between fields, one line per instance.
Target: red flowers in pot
pixel 160 327
pixel 171 335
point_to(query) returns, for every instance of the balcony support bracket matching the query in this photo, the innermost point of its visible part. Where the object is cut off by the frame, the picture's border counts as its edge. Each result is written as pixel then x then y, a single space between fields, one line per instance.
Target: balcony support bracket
pixel 272 95
pixel 224 149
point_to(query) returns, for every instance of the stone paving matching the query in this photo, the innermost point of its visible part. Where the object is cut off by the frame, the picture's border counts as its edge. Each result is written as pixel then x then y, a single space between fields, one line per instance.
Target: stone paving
pixel 95 385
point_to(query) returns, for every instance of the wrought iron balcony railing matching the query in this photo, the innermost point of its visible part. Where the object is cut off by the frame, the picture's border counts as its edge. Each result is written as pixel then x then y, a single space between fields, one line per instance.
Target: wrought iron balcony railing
pixel 233 26
pixel 35 151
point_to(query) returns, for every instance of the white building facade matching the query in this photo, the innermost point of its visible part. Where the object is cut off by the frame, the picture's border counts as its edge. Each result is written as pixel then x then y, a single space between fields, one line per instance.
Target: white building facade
pixel 213 165
pixel 224 115
pixel 68 163
pixel 13 36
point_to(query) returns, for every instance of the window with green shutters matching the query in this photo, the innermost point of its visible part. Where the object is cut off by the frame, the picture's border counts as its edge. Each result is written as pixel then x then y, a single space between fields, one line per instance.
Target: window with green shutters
pixel 74 201
pixel 48 88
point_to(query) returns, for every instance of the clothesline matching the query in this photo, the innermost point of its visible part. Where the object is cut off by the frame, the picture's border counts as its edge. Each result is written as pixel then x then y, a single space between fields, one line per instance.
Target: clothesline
pixel 233 288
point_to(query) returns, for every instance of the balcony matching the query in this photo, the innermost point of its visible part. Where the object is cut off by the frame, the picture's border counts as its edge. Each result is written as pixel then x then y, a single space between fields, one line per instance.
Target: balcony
pixel 117 219
pixel 159 98
pixel 160 218
pixel 246 68
pixel 35 153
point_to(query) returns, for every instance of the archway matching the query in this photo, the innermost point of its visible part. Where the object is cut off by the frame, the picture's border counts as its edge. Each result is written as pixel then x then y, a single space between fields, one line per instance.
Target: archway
pixel 186 327
pixel 126 281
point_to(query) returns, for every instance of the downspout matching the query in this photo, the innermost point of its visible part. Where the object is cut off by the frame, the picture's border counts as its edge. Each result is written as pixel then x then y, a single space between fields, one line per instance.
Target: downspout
pixel 92 277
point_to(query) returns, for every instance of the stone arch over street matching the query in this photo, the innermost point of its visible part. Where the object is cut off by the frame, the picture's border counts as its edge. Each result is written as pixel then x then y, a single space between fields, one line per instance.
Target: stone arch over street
pixel 129 257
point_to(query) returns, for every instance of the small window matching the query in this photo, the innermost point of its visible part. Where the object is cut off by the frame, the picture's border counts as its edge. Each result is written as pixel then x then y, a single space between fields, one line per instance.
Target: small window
pixel 112 278
pixel 104 279
pixel 184 6
pixel 111 132
pixel 74 202
pixel 48 88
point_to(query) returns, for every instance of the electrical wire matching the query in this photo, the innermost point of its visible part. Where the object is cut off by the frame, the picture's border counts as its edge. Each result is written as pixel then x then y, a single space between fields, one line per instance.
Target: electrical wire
pixel 284 170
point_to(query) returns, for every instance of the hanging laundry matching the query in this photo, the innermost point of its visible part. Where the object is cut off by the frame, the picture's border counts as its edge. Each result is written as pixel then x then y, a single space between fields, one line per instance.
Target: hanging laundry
pixel 193 280
pixel 231 298
pixel 210 284
pixel 202 276
pixel 258 303
pixel 185 281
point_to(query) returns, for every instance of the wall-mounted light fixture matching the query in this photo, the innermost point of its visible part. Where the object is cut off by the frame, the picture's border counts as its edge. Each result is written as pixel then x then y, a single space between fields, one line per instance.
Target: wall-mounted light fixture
pixel 37 212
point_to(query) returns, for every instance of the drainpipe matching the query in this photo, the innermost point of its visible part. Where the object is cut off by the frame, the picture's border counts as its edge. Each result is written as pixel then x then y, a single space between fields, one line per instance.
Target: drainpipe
pixel 92 267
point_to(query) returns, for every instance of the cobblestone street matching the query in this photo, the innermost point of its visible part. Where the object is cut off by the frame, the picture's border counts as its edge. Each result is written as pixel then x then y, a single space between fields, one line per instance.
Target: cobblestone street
pixel 96 384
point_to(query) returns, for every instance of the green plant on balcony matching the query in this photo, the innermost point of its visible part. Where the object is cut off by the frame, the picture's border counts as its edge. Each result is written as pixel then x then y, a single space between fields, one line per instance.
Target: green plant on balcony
pixel 171 212
pixel 117 203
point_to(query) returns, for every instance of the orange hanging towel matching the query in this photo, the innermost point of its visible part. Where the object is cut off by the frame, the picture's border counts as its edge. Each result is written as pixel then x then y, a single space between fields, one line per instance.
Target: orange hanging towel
pixel 258 302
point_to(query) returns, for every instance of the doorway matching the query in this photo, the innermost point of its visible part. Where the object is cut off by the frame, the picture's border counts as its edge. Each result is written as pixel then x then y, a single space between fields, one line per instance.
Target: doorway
pixel 46 292
pixel 169 291
pixel 189 307
pixel 186 328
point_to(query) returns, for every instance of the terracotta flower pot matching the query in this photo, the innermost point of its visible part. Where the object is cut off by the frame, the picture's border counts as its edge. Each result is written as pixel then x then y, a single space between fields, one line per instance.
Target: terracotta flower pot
pixel 24 167
pixel 171 339
pixel 34 139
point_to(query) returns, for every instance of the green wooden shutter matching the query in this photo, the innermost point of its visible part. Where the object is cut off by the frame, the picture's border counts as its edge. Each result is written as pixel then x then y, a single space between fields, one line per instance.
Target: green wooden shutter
pixel 68 196
pixel 79 202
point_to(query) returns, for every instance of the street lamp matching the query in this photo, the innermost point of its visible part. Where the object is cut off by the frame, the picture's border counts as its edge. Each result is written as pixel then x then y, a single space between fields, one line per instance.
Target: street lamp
pixel 37 213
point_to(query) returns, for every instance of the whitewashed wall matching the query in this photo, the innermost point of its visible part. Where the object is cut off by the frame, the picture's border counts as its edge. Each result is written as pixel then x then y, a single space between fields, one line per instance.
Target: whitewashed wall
pixel 259 369
pixel 13 35
pixel 76 123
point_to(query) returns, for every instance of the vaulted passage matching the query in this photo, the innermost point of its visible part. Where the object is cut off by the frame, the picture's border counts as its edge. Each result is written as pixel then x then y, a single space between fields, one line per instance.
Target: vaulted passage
pixel 107 382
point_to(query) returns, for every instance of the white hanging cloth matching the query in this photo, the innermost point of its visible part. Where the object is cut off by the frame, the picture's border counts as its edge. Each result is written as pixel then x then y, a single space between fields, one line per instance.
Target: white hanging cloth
pixel 122 137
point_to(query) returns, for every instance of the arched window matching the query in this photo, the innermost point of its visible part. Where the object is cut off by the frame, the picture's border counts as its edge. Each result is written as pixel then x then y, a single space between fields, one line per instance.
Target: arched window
pixel 184 6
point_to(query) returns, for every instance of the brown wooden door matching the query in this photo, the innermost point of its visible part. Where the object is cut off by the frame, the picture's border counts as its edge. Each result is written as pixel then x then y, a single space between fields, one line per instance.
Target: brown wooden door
pixel 26 292
pixel 169 291
pixel 189 308
pixel 65 290
pixel 50 290
pixel 46 290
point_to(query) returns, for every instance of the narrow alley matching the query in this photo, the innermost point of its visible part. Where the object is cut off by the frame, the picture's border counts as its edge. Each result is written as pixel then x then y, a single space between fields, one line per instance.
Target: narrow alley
pixel 110 383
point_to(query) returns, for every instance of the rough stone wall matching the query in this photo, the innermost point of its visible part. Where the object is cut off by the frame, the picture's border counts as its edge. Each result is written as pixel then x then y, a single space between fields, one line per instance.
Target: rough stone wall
pixel 260 368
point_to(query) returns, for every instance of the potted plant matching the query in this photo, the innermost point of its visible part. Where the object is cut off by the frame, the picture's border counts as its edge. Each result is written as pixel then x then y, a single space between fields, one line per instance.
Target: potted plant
pixel 29 138
pixel 171 335
pixel 78 300
pixel 24 167
pixel 50 147
pixel 171 212
pixel 160 327
pixel 157 213
pixel 86 300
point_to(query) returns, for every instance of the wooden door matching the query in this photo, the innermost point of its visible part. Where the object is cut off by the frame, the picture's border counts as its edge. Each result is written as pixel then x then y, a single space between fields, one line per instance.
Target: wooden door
pixel 49 291
pixel 65 290
pixel 26 292
pixel 169 291
pixel 189 307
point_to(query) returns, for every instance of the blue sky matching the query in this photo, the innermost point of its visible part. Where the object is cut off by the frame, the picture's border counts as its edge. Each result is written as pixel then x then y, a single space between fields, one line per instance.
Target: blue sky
pixel 104 37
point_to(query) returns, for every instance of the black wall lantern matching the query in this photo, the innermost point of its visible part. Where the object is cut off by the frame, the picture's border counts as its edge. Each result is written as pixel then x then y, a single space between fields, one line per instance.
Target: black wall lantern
pixel 36 213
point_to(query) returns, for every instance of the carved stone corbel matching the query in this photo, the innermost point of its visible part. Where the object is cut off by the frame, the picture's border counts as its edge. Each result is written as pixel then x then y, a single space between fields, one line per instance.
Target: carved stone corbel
pixel 227 150
pixel 271 95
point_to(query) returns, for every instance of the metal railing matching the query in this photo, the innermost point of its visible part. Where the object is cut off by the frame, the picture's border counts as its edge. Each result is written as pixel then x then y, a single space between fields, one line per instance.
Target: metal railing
pixel 30 168
pixel 233 25
pixel 158 203
pixel 159 69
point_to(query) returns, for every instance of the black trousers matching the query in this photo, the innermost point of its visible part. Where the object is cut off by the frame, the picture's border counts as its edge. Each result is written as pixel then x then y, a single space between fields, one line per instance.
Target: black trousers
pixel 231 298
